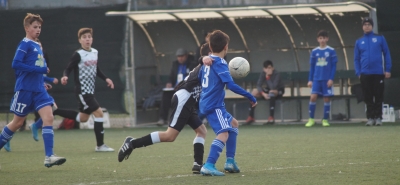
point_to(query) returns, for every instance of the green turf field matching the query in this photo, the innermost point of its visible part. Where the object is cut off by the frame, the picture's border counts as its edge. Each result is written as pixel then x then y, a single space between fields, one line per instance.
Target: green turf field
pixel 280 154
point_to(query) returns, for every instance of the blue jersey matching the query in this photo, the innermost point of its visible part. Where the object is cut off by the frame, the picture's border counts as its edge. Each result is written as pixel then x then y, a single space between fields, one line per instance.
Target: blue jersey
pixel 213 79
pixel 322 64
pixel 29 66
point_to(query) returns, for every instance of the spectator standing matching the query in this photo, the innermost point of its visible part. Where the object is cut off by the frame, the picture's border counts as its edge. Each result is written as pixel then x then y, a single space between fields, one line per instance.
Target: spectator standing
pixel 372 63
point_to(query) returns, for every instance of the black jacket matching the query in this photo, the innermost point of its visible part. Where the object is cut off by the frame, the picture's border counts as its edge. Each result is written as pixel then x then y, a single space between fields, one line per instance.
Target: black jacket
pixel 274 83
pixel 190 62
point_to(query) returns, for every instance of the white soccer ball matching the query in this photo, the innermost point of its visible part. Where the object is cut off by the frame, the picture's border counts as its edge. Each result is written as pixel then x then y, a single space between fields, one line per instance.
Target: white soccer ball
pixel 239 67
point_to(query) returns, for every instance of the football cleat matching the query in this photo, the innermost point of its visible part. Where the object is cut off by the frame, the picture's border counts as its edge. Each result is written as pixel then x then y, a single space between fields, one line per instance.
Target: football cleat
pixel 125 149
pixel 7 147
pixel 54 160
pixel 325 123
pixel 231 166
pixel 34 131
pixel 209 170
pixel 310 122
pixel 378 122
pixel 103 148
pixel 370 122
pixel 196 168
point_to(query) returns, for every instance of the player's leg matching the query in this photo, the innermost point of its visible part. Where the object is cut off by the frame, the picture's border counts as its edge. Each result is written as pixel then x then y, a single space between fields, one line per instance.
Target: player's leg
pixel 220 121
pixel 250 119
pixel 179 117
pixel 315 90
pixel 198 142
pixel 34 127
pixel 44 105
pixel 230 164
pixel 99 132
pixel 327 92
pixel 21 105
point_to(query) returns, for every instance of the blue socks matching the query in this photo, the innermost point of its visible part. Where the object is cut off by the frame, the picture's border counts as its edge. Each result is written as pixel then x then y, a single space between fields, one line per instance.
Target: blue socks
pixel 39 123
pixel 327 109
pixel 48 139
pixel 216 148
pixel 5 136
pixel 231 143
pixel 311 109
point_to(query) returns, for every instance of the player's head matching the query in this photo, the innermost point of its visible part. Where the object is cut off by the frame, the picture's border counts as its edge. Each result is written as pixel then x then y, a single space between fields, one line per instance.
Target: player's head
pixel 205 49
pixel 322 37
pixel 268 67
pixel 181 55
pixel 33 25
pixel 367 24
pixel 219 42
pixel 85 37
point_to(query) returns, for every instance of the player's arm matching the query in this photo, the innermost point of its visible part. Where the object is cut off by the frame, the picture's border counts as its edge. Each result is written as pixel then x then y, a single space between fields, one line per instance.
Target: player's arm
pixel 18 63
pixel 100 74
pixel 48 79
pixel 313 61
pixel 223 73
pixel 386 56
pixel 73 63
pixel 357 64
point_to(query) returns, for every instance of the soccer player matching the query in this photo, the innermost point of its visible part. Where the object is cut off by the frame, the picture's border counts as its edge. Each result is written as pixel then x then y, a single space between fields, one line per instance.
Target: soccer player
pixel 214 78
pixel 184 105
pixel 323 61
pixel 30 93
pixel 84 65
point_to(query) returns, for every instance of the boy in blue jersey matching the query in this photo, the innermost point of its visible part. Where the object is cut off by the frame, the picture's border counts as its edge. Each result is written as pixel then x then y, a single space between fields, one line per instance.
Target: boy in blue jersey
pixel 30 93
pixel 214 78
pixel 323 61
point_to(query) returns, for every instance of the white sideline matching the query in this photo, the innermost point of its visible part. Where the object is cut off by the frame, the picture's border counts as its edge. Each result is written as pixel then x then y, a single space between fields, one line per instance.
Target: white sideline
pixel 265 169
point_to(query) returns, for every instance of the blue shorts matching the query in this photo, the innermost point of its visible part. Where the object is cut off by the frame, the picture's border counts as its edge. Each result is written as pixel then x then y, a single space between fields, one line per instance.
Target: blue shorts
pixel 321 88
pixel 220 121
pixel 25 102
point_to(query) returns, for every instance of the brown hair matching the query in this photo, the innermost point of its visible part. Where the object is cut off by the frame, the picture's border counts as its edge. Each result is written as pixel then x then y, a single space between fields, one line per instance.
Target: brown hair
pixel 83 31
pixel 218 41
pixel 322 33
pixel 205 49
pixel 30 18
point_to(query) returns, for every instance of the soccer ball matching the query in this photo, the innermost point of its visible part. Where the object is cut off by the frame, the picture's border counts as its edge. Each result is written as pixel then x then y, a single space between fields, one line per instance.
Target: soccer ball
pixel 239 67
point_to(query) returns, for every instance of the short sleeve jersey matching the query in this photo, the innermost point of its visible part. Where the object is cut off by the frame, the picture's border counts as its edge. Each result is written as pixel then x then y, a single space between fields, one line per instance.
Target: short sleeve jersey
pixel 191 84
pixel 30 61
pixel 323 59
pixel 213 79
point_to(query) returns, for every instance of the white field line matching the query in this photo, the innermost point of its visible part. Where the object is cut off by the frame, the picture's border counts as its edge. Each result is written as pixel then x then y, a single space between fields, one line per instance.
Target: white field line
pixel 259 170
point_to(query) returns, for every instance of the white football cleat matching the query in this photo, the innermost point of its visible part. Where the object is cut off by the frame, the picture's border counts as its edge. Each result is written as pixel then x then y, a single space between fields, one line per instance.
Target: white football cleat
pixel 54 160
pixel 104 148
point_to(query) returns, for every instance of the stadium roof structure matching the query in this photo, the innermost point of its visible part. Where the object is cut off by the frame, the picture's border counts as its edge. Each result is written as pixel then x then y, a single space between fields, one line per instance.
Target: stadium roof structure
pixel 191 17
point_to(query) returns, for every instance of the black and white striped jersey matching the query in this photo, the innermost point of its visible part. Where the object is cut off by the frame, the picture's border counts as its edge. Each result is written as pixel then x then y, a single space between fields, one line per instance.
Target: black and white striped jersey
pixel 191 84
pixel 84 65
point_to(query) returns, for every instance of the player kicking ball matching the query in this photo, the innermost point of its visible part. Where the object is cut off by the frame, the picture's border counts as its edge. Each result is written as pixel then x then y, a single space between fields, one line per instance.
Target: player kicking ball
pixel 184 105
pixel 29 92
pixel 214 78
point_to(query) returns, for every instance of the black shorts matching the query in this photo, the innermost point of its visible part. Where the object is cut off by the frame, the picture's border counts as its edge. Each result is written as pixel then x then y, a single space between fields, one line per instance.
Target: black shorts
pixel 183 111
pixel 87 103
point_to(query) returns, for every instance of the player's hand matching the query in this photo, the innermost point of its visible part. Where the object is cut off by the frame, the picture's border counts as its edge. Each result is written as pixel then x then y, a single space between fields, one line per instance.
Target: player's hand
pixel 253 104
pixel 309 84
pixel 387 75
pixel 207 60
pixel 110 83
pixel 330 83
pixel 48 70
pixel 47 86
pixel 64 80
pixel 168 85
pixel 55 81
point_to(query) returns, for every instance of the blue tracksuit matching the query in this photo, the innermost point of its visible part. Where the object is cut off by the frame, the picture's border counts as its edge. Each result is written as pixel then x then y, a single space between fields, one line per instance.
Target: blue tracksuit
pixel 368 52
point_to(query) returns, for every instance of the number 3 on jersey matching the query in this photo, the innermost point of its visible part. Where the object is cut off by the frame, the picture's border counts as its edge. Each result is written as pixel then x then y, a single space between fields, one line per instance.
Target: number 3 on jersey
pixel 205 79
